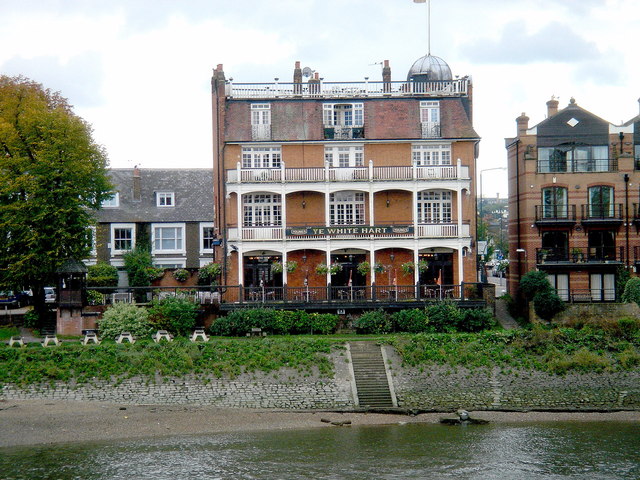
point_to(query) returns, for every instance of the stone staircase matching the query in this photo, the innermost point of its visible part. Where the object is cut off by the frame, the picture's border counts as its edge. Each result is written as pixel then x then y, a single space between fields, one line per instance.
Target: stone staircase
pixel 370 375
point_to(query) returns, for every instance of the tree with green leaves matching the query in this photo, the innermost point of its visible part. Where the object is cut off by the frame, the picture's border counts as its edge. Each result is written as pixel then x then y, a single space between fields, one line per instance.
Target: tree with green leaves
pixel 52 177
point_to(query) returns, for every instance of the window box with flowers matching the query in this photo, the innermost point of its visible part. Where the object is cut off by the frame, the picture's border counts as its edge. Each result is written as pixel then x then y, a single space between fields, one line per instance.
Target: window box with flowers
pixel 181 274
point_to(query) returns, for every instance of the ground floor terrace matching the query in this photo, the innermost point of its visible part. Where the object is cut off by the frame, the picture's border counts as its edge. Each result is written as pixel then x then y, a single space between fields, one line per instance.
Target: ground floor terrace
pixel 348 268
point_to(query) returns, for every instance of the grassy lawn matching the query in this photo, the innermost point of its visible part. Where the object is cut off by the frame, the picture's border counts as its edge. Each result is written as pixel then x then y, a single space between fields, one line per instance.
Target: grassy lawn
pixel 7 332
pixel 612 347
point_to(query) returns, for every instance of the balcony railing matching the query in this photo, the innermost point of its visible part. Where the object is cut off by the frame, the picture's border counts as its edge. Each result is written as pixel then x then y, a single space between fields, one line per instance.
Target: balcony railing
pixel 313 232
pixel 555 213
pixel 343 133
pixel 348 174
pixel 261 132
pixel 445 88
pixel 430 129
pixel 585 295
pixel 601 212
pixel 592 255
pixel 578 166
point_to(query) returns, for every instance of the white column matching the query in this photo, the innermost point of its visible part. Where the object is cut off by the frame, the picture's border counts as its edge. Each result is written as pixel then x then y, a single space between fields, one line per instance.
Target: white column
pixel 328 262
pixel 283 201
pixel 414 211
pixel 240 218
pixel 416 273
pixel 460 267
pixel 284 265
pixel 371 209
pixel 326 207
pixel 240 264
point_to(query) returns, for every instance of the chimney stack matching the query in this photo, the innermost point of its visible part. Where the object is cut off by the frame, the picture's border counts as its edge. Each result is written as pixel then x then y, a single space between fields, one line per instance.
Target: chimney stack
pixel 137 187
pixel 552 107
pixel 297 78
pixel 523 124
pixel 386 76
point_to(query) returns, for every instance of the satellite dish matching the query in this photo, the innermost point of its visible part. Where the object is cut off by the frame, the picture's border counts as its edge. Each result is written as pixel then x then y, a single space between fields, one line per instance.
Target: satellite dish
pixel 307 72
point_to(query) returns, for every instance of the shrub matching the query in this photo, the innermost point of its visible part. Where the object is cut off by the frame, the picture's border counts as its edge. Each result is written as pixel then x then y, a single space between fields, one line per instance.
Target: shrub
pixel 412 321
pixel 444 316
pixel 323 323
pixel 375 321
pixel 102 275
pixel 533 282
pixel 180 274
pixel 632 291
pixel 95 298
pixel 137 263
pixel 279 322
pixel 31 319
pixel 208 274
pixel 175 314
pixel 477 319
pixel 547 304
pixel 582 360
pixel 124 317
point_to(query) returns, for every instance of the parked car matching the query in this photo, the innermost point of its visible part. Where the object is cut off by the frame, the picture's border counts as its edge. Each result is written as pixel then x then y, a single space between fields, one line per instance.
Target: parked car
pixel 14 299
pixel 49 295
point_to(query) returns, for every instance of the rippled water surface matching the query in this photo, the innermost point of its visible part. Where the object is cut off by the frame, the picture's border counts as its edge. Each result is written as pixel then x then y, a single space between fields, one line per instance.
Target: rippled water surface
pixel 513 451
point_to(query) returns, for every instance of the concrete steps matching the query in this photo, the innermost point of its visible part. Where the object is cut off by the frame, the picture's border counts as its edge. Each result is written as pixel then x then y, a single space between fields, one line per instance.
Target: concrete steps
pixel 370 375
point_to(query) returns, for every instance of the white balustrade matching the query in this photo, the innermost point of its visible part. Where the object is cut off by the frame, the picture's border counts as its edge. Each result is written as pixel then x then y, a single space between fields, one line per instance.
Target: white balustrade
pixel 452 88
pixel 262 233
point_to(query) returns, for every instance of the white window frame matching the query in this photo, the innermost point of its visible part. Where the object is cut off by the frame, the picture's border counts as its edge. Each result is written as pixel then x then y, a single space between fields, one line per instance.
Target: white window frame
pixel 162 197
pixel 260 121
pixel 434 207
pixel 261 157
pixel 122 226
pixel 112 202
pixel 92 232
pixel 430 118
pixel 347 208
pixel 261 209
pixel 344 155
pixel 429 154
pixel 201 228
pixel 154 236
pixel 343 114
pixel 169 262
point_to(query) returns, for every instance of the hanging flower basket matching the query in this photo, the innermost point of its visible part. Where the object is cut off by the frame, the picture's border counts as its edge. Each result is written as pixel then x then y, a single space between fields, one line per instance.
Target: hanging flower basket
pixel 363 268
pixel 407 268
pixel 292 266
pixel 335 268
pixel 322 269
pixel 378 267
pixel 423 266
pixel 276 267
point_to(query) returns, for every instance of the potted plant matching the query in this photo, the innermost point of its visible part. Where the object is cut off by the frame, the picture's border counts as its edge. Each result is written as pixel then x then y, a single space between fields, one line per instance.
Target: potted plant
pixel 543 254
pixel 576 254
pixel 363 268
pixel 335 268
pixel 407 268
pixel 292 266
pixel 181 274
pixel 378 267
pixel 322 269
pixel 277 267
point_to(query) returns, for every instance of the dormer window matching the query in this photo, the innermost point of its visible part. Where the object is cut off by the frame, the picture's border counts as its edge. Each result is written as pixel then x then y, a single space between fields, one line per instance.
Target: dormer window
pixel 430 118
pixel 165 199
pixel 343 121
pixel 112 202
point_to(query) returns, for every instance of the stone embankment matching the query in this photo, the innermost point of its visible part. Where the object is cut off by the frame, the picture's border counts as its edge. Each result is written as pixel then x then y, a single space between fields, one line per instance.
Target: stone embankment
pixel 434 389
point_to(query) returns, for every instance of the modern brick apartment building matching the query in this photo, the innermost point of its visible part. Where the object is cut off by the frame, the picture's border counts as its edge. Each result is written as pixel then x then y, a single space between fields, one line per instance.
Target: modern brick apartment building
pixel 573 201
pixel 372 180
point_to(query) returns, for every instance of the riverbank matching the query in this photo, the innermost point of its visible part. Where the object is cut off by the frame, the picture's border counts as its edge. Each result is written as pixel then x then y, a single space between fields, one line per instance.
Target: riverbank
pixel 34 422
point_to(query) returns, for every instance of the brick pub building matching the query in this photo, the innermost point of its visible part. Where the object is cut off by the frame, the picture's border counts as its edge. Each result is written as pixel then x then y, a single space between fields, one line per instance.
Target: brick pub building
pixel 573 201
pixel 350 184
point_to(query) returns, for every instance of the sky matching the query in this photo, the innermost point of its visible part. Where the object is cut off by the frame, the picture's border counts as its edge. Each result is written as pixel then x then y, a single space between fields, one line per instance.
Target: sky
pixel 139 71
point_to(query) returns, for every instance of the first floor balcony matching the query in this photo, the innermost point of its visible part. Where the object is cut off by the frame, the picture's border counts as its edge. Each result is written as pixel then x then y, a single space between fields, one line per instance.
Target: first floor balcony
pixel 316 232
pixel 347 174
pixel 592 256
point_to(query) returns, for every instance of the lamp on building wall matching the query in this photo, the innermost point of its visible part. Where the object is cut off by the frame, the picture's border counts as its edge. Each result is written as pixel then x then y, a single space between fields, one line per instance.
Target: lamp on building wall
pixel 304 201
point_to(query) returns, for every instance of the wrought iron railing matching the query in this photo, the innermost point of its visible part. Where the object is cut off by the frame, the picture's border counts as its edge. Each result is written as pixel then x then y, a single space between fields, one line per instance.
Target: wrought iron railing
pixel 578 166
pixel 576 255
pixel 555 213
pixel 601 211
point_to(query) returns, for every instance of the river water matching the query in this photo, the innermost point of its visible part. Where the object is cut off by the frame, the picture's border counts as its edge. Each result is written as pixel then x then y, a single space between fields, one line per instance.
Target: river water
pixel 531 451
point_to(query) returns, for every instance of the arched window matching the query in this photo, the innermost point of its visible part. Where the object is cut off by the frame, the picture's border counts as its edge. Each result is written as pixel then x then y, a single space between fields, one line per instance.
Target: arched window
pixel 434 206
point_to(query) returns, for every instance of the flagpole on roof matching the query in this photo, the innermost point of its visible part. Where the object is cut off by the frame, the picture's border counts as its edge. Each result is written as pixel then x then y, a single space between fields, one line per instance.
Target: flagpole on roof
pixel 428 2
